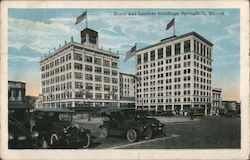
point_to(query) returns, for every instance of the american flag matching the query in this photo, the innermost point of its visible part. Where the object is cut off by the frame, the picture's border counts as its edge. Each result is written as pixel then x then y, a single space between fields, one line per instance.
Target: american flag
pixel 130 53
pixel 81 17
pixel 170 24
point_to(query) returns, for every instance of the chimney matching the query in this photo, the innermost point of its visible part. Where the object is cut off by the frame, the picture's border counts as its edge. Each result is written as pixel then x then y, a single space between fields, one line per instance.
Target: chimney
pixel 71 39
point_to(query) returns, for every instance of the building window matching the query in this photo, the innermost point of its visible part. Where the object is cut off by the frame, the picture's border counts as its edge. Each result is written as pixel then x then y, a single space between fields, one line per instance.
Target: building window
pixel 145 57
pixel 89 86
pixel 98 96
pixel 88 68
pixel 98 87
pixel 106 88
pixel 98 70
pixel 77 56
pixel 88 59
pixel 98 78
pixel 106 63
pixel 98 61
pixel 78 66
pixel 114 65
pixel 106 79
pixel 187 46
pixel 152 55
pixel 195 48
pixel 89 77
pixel 114 80
pixel 139 59
pixel 160 53
pixel 78 85
pixel 114 73
pixel 107 71
pixel 177 48
pixel 168 51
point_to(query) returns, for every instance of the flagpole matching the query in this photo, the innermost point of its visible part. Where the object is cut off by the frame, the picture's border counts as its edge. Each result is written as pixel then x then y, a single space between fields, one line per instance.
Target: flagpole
pixel 86 18
pixel 174 26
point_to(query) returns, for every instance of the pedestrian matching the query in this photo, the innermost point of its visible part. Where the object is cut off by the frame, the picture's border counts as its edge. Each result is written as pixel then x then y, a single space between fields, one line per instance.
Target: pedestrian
pixel 191 116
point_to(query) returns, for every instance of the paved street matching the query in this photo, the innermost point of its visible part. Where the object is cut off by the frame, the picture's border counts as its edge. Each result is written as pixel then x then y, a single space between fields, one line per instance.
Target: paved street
pixel 204 132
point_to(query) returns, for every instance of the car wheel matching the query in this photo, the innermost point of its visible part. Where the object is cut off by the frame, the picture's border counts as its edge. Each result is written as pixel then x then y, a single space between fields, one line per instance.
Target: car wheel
pixel 53 139
pixel 104 132
pixel 149 133
pixel 132 135
pixel 86 140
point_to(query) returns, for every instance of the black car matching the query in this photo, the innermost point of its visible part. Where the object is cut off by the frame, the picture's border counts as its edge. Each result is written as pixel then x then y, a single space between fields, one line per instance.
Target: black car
pixel 19 126
pixel 55 129
pixel 130 123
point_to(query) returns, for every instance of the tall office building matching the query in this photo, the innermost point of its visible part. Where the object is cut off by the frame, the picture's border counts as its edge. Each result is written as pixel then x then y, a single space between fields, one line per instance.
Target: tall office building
pixel 127 90
pixel 80 74
pixel 175 74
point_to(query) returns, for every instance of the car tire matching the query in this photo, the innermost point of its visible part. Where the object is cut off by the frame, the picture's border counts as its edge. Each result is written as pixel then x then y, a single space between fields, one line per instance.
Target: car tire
pixel 87 141
pixel 53 139
pixel 149 133
pixel 104 132
pixel 132 135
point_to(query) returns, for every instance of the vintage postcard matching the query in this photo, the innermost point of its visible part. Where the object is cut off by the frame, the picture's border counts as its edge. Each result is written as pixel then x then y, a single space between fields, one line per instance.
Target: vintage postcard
pixel 124 80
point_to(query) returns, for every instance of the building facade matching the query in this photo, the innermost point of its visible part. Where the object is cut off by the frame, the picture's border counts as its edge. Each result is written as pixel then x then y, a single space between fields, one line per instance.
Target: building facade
pixel 175 74
pixel 127 90
pixel 216 101
pixel 80 74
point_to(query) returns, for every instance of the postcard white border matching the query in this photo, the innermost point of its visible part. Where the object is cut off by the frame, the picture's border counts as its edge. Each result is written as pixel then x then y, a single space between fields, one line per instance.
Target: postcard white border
pixel 132 153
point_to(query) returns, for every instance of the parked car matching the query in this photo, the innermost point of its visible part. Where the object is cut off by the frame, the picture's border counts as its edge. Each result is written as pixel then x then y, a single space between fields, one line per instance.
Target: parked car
pixel 232 114
pixel 130 123
pixel 19 126
pixel 55 129
pixel 168 114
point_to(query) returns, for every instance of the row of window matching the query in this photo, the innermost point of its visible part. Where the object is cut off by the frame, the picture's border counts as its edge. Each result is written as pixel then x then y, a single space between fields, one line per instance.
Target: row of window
pixel 170 100
pixel 160 52
pixel 78 57
pixel 178 59
pixel 198 48
pixel 79 95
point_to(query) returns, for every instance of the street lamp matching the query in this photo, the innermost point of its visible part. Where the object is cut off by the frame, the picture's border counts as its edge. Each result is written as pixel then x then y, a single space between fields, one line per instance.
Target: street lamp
pixel 85 92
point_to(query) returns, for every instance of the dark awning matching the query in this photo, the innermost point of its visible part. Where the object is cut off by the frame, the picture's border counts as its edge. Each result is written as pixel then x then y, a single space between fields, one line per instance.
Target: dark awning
pixel 18 105
pixel 52 109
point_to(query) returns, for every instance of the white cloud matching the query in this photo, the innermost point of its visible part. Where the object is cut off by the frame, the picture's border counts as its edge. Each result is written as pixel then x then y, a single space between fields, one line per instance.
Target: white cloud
pixel 232 32
pixel 23 58
pixel 39 36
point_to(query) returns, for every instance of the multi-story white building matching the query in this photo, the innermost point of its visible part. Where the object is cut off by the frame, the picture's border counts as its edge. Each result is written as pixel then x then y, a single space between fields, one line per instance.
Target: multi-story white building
pixel 175 74
pixel 127 90
pixel 79 74
pixel 216 101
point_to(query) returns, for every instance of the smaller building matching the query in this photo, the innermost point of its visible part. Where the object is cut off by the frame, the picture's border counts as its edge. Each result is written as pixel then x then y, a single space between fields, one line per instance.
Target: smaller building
pixel 216 101
pixel 32 100
pixel 16 91
pixel 16 96
pixel 230 105
pixel 127 90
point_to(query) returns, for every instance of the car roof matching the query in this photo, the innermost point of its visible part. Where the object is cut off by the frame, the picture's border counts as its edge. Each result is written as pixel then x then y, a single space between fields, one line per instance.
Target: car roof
pixel 58 110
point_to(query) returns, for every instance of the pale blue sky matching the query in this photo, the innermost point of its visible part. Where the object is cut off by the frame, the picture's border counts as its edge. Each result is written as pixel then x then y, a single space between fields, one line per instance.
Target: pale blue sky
pixel 34 32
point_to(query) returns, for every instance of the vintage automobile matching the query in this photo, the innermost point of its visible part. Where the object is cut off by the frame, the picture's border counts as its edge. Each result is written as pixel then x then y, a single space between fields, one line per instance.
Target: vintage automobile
pixel 19 126
pixel 130 123
pixel 55 129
